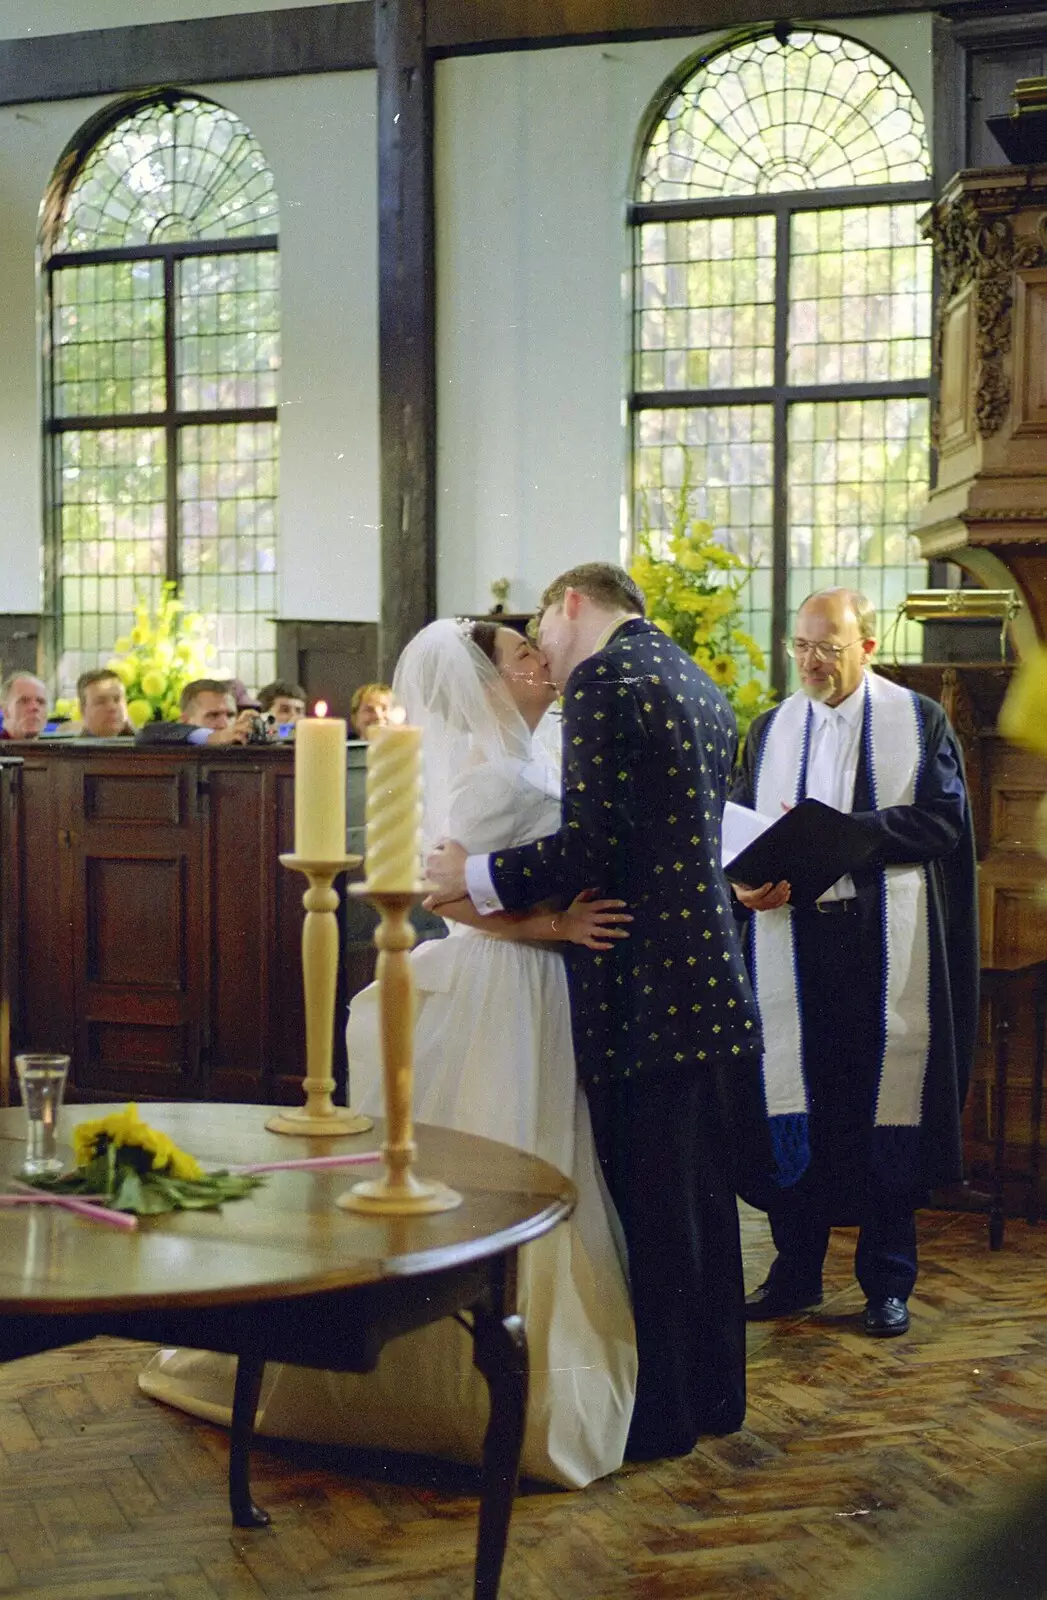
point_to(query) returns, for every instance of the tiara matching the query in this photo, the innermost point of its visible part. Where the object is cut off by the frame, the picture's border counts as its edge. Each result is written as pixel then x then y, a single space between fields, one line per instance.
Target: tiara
pixel 465 627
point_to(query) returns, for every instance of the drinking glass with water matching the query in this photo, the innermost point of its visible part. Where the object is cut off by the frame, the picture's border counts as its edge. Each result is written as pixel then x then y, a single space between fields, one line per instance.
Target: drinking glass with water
pixel 42 1082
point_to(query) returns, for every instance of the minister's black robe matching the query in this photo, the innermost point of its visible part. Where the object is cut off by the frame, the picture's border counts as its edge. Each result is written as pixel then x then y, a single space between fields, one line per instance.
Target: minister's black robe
pixel 935 831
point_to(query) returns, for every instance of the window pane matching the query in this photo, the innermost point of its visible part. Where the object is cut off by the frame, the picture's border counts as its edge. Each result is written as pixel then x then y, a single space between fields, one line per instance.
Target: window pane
pixel 170 171
pixel 725 455
pixel 108 339
pixel 227 331
pixel 112 490
pixel 859 296
pixel 176 170
pixel 764 117
pixel 227 494
pixel 705 304
pixel 857 485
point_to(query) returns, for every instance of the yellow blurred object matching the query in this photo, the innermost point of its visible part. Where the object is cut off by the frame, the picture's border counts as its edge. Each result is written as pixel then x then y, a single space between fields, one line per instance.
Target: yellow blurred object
pixel 1023 715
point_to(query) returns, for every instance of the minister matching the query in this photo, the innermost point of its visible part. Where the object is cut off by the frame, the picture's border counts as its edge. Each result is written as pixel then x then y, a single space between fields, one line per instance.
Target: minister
pixel 868 998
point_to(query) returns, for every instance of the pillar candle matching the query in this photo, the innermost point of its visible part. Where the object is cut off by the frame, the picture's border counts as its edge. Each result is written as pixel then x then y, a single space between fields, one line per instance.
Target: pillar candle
pixel 319 788
pixel 394 809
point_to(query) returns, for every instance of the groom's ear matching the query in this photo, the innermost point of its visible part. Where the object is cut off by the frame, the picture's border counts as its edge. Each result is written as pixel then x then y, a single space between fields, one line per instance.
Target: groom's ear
pixel 572 599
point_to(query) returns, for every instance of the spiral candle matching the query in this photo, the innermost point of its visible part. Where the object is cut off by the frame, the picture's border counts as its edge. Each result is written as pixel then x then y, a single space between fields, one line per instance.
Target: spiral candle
pixel 394 809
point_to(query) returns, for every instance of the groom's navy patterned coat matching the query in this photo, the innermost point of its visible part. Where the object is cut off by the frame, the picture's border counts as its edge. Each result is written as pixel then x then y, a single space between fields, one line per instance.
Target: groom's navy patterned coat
pixel 648 744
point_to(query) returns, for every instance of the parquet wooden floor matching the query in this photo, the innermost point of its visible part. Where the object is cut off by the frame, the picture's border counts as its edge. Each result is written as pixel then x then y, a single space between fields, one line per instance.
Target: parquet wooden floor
pixel 855 1453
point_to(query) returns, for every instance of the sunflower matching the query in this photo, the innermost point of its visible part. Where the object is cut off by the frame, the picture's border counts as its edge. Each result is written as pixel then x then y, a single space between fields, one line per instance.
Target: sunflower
pixel 126 1131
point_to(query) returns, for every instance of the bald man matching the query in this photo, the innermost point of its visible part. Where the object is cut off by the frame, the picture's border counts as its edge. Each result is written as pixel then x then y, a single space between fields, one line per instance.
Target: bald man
pixel 868 997
pixel 23 700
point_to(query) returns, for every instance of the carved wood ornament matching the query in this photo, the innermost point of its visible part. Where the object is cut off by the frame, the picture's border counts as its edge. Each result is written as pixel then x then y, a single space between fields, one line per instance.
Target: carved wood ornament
pixel 975 250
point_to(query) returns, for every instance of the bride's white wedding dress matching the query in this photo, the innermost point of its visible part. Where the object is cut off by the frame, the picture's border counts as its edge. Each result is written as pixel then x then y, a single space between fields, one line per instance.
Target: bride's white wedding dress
pixel 493 1056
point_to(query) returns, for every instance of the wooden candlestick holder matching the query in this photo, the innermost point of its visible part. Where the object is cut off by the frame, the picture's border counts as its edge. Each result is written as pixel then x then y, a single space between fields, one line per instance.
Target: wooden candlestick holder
pixel 399 1193
pixel 319 1117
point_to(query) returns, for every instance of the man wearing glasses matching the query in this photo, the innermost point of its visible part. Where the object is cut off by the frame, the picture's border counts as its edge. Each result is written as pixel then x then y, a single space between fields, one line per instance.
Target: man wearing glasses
pixel 868 998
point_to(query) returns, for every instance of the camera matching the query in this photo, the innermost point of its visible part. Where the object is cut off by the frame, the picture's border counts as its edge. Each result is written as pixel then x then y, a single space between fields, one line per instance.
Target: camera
pixel 263 730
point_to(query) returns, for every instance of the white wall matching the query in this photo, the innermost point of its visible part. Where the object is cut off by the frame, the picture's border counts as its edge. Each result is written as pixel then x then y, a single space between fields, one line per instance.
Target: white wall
pixel 319 135
pixel 534 159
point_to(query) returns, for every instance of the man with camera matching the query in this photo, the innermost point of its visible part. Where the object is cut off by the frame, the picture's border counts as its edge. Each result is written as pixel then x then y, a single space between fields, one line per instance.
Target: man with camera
pixel 208 716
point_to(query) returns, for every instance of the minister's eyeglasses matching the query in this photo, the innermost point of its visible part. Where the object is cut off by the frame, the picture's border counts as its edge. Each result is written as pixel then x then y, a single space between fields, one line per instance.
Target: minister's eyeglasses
pixel 801 648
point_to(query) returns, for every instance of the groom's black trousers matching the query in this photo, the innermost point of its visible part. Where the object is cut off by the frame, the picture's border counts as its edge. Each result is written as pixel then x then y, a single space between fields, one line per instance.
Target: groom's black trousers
pixel 664 1146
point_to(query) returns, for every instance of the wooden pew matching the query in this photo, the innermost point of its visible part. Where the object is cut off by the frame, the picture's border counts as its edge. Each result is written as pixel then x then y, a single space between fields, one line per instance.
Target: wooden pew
pixel 159 936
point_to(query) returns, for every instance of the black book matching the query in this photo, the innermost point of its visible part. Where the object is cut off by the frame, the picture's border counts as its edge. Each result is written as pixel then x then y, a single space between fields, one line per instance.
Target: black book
pixel 809 847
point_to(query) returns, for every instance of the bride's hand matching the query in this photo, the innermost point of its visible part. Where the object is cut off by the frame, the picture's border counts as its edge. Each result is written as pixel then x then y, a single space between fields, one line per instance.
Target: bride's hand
pixel 592 922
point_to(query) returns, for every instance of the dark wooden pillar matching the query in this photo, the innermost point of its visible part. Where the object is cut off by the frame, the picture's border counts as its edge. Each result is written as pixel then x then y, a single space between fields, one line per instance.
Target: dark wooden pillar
pixel 406 324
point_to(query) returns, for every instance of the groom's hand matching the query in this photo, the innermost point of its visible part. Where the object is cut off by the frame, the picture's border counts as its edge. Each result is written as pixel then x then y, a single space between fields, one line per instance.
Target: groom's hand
pixel 445 870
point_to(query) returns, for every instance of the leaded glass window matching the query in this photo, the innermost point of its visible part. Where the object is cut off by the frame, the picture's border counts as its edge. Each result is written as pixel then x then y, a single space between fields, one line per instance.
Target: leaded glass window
pixel 781 320
pixel 162 354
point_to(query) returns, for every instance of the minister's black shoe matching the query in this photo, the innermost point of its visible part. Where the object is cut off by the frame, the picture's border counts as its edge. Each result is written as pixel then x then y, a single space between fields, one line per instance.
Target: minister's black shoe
pixel 886 1318
pixel 775 1299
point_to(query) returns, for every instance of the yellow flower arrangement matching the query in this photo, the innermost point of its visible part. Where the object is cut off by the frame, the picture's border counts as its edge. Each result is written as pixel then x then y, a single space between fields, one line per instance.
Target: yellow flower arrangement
pixel 693 585
pixel 137 1168
pixel 162 653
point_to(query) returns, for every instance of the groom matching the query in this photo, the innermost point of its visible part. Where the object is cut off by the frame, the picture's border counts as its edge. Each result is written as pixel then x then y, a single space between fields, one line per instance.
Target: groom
pixel 648 748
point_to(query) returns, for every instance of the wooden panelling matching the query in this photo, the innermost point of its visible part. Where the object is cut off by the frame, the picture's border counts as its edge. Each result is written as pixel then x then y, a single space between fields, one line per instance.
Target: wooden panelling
pixel 160 938
pixel 19 642
pixel 43 889
pixel 135 921
pixel 286 1004
pixel 267 44
pixel 955 416
pixel 406 325
pixel 1007 787
pixel 329 659
pixel 1030 342
pixel 241 850
pixel 1013 818
pixel 9 771
pixel 458 25
pixel 154 1059
pixel 133 797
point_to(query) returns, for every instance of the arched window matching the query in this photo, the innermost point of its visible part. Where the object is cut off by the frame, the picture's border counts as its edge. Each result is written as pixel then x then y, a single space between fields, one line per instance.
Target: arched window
pixel 161 359
pixel 781 319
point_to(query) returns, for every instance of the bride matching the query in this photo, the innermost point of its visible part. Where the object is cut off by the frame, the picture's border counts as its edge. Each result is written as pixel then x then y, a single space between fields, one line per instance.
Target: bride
pixel 493 1056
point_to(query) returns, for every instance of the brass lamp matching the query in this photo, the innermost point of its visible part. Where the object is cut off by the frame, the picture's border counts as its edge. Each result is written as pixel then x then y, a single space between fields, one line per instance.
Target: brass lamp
pixel 958 605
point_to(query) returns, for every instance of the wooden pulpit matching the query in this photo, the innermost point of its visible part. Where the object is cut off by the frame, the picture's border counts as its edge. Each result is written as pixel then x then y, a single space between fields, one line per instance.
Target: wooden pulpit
pixel 988 513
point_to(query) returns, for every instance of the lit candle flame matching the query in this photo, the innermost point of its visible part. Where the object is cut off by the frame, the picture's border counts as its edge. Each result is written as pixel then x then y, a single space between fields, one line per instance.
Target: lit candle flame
pixel 397 716
pixel 320 708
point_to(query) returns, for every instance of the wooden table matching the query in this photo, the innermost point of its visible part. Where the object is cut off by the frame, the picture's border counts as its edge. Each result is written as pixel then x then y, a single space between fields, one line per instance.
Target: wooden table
pixel 285 1275
pixel 1004 987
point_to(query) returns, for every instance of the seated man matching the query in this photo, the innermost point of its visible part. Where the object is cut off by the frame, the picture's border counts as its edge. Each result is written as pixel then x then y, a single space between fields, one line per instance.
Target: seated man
pixel 209 716
pixel 370 708
pixel 103 705
pixel 282 700
pixel 23 701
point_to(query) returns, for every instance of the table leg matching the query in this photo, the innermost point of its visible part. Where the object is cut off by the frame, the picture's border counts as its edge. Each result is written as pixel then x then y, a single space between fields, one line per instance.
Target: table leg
pixel 1001 1025
pixel 1032 1212
pixel 500 1353
pixel 249 1371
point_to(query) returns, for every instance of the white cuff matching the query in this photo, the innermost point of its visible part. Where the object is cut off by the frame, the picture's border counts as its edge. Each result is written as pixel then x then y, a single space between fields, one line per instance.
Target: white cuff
pixel 480 885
